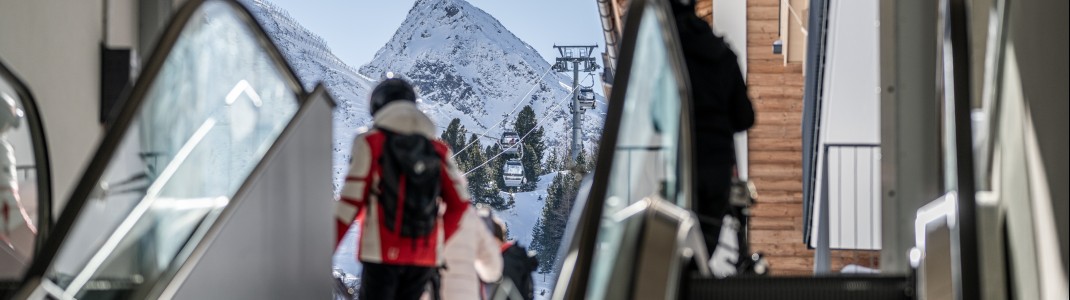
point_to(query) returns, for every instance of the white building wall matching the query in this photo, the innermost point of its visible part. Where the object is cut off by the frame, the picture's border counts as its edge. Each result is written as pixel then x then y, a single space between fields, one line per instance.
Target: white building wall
pixel 850 114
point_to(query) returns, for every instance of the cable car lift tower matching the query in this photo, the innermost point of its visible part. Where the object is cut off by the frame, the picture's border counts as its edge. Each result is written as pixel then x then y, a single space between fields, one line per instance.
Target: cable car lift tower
pixel 576 59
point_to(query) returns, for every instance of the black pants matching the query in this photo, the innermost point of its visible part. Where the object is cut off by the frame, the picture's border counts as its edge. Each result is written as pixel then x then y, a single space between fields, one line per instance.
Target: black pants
pixel 379 281
pixel 714 182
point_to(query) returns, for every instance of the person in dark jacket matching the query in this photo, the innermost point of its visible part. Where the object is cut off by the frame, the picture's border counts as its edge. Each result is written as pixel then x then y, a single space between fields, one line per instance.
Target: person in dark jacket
pixel 721 109
pixel 517 281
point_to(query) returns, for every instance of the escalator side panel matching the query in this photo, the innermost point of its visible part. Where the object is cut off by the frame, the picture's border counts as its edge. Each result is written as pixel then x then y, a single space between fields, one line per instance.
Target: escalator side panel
pixel 276 242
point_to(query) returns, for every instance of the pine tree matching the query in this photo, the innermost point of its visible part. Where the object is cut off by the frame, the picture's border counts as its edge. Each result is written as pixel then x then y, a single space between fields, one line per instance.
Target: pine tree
pixel 581 166
pixel 551 163
pixel 494 175
pixel 477 178
pixel 454 137
pixel 485 182
pixel 526 126
pixel 525 120
pixel 532 169
pixel 592 159
pixel 550 228
pixel 496 164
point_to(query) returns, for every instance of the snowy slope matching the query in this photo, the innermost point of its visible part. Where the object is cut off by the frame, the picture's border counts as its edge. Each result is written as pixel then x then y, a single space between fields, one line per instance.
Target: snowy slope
pixel 521 218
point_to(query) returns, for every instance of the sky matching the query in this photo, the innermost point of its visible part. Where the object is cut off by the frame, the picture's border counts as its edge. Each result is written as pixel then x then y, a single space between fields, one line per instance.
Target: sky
pixel 356 29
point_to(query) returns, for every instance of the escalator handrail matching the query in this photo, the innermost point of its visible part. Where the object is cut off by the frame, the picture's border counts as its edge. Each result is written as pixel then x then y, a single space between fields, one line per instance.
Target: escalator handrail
pixel 133 99
pixel 43 162
pixel 956 52
pixel 176 274
pixel 576 287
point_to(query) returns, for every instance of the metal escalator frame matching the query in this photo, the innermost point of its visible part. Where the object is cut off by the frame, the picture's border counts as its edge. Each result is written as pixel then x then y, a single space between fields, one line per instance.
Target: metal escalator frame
pixel 586 231
pixel 175 275
pixel 133 99
pixel 41 159
pixel 813 99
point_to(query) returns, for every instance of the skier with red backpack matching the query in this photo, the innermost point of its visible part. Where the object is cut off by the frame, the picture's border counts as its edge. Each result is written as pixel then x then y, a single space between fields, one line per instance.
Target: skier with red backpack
pixel 399 177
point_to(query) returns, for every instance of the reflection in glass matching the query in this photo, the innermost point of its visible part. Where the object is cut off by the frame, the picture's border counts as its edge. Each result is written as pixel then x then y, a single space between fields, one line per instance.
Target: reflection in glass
pixel 217 104
pixel 645 162
pixel 18 187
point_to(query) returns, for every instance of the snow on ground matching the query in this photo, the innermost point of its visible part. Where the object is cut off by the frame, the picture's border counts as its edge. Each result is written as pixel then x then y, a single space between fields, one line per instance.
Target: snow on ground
pixel 521 218
pixel 345 257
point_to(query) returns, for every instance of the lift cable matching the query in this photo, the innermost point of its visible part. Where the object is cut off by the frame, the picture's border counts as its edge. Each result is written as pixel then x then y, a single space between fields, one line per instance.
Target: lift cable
pixel 506 117
pixel 549 111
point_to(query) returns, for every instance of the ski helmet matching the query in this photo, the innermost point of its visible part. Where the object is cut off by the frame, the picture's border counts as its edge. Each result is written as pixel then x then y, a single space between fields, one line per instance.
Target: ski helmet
pixel 390 90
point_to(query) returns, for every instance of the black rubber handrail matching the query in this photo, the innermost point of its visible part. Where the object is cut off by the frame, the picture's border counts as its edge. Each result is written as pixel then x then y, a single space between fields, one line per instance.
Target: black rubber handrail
pixel 955 43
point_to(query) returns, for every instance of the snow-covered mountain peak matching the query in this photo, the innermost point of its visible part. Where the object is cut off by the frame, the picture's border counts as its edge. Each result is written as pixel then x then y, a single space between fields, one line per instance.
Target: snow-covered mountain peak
pixel 439 26
pixel 469 66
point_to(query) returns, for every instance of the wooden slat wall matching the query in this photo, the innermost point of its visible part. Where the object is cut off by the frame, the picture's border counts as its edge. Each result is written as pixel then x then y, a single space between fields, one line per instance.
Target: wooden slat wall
pixel 775 146
pixel 704 9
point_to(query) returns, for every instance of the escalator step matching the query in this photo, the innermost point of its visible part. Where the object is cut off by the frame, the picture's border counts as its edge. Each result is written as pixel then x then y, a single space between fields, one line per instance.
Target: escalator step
pixel 830 288
pixel 8 288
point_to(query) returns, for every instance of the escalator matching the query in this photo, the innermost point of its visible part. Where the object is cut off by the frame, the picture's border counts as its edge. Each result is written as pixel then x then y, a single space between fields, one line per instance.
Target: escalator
pixel 632 235
pixel 213 179
pixel 995 233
